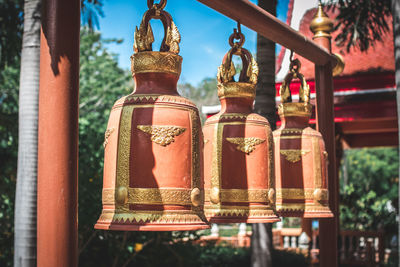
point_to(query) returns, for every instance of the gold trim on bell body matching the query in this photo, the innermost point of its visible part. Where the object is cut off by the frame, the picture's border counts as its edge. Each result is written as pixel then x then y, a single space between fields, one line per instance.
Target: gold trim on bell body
pixel 242 195
pixel 162 196
pixel 296 193
pixel 123 167
pixel 216 163
pixel 157 196
pixel 317 163
pixel 124 143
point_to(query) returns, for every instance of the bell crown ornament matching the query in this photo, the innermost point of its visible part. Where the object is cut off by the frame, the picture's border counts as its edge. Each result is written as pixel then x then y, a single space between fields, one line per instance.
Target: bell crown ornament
pixel 246 86
pixel 300 156
pixel 167 60
pixel 153 177
pixel 287 108
pixel 237 142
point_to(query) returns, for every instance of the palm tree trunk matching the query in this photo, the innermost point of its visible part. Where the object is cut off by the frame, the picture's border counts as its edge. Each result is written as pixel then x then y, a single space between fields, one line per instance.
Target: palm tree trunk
pixel 25 199
pixel 261 240
pixel 265 100
pixel 396 39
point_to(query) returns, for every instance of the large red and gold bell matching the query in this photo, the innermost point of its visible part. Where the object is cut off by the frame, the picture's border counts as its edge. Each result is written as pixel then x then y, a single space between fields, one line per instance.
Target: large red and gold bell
pixel 153 177
pixel 238 149
pixel 300 156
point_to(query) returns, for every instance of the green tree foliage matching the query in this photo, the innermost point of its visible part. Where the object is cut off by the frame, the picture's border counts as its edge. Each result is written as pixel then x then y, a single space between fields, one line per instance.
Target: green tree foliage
pixel 11 26
pixel 361 23
pixel 9 78
pixel 369 190
pixel 205 94
pixel 11 19
pixel 102 82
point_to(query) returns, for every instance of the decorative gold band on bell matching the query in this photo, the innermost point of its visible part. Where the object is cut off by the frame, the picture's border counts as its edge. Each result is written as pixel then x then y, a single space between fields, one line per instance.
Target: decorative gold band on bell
pixel 153 180
pixel 156 62
pixel 295 110
pixel 300 156
pixel 238 160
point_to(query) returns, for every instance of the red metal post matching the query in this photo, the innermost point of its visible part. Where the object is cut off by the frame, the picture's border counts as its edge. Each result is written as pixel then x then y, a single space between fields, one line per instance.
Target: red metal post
pixel 57 225
pixel 328 228
pixel 322 26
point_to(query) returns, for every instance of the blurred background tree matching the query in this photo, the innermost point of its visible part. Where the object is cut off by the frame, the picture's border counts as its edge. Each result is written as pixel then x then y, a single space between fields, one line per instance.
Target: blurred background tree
pixel 369 190
pixel 9 77
pixel 204 94
pixel 361 24
pixel 11 18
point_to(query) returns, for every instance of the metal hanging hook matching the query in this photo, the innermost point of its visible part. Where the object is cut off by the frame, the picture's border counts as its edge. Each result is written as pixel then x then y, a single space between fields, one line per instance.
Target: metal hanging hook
pixel 237 35
pixel 239 29
pixel 294 63
pixel 161 5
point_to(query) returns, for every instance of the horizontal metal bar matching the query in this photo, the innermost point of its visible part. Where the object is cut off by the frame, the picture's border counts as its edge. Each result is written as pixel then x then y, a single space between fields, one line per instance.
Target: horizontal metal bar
pixel 272 28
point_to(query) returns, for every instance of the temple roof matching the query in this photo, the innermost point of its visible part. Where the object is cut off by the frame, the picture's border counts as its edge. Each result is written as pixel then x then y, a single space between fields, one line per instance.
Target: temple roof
pixel 378 58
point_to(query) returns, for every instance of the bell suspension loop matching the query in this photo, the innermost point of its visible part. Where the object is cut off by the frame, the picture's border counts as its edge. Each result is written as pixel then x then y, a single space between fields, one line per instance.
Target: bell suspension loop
pixel 144 35
pixel 293 73
pixel 227 71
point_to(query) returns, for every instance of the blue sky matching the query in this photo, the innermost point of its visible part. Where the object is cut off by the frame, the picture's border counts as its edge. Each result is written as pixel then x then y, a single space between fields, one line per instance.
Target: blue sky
pixel 204 32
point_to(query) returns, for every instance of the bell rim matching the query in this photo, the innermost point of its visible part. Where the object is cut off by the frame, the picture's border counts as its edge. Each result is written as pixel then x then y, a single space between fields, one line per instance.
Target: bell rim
pixel 314 211
pixel 151 226
pixel 232 213
pixel 148 220
pixel 234 219
pixel 305 214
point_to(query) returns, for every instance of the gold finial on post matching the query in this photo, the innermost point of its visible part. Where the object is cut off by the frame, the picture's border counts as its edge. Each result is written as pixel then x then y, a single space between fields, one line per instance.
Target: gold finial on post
pixel 321 25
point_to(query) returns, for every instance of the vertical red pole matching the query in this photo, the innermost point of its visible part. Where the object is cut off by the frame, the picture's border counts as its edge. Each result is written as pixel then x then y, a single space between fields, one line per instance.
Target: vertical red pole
pixel 57 225
pixel 328 228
